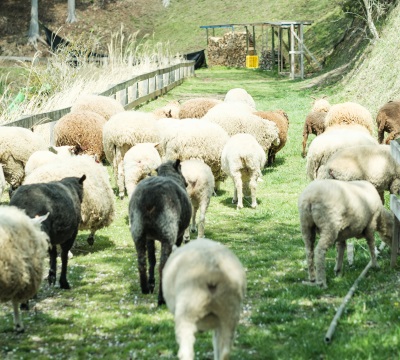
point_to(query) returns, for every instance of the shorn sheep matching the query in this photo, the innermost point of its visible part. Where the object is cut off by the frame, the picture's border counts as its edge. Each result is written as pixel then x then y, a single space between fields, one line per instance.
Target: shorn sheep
pixel 16 146
pixel 103 105
pixel 98 205
pixel 240 95
pixel 281 119
pixel 196 108
pixel 242 159
pixel 315 120
pixel 388 120
pixel 200 187
pixel 204 286
pixel 62 200
pixel 139 161
pixel 373 163
pixel 337 137
pixel 340 210
pixel 120 133
pixel 159 209
pixel 24 248
pixel 83 130
pixel 349 113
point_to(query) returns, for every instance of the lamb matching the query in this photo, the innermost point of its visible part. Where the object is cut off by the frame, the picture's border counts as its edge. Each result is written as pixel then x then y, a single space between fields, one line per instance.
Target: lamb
pixel 139 161
pixel 84 130
pixel 349 113
pixel 159 209
pixel 62 200
pixel 196 108
pixel 98 205
pixel 170 110
pixel 240 95
pixel 41 157
pixel 281 119
pixel 340 210
pixel 373 163
pixel 235 119
pixel 333 139
pixel 200 187
pixel 320 105
pixel 16 146
pixel 103 105
pixel 195 139
pixel 204 286
pixel 120 133
pixel 23 250
pixel 242 159
pixel 388 120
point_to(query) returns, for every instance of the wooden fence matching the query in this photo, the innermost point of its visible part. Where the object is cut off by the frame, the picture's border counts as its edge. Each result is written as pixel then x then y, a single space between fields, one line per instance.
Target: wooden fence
pixel 130 93
pixel 395 207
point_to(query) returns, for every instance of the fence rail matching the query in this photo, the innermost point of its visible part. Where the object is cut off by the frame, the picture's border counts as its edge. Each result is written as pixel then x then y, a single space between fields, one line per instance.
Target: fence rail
pixel 130 93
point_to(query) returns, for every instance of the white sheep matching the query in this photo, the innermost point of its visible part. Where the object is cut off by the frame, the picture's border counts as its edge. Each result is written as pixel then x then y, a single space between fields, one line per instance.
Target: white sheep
pixel 98 205
pixel 196 108
pixel 103 105
pixel 170 110
pixel 320 105
pixel 24 249
pixel 373 163
pixel 200 187
pixel 195 139
pixel 337 137
pixel 340 210
pixel 242 159
pixel 234 118
pixel 240 95
pixel 120 133
pixel 16 146
pixel 349 113
pixel 41 157
pixel 139 161
pixel 204 284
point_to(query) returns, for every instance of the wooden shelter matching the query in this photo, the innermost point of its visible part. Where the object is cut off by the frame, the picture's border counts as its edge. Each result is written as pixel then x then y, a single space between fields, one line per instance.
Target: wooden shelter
pixel 280 43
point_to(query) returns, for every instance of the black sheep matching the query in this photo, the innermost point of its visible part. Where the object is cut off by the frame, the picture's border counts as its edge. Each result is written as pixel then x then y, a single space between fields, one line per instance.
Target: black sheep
pixel 159 209
pixel 62 199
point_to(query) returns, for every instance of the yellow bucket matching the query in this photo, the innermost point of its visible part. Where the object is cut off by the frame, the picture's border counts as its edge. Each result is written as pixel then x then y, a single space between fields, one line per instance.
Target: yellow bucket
pixel 252 61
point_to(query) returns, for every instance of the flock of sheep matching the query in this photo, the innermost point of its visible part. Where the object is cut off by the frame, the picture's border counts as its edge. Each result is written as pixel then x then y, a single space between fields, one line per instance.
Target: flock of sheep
pixel 169 162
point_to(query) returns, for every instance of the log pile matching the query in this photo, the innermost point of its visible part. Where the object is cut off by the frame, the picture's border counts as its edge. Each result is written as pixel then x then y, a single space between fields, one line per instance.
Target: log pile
pixel 265 61
pixel 229 50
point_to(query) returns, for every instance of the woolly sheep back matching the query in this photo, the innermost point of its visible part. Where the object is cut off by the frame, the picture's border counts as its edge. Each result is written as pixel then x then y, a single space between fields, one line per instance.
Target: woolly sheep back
pixel 240 95
pixel 196 108
pixel 105 106
pixel 320 105
pixel 170 110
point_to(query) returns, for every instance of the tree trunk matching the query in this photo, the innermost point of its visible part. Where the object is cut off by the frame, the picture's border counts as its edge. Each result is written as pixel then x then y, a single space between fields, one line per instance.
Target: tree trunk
pixel 71 12
pixel 370 21
pixel 33 33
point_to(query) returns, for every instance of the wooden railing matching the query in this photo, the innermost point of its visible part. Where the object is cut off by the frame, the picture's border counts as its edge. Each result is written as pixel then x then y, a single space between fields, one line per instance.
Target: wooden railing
pixel 130 93
pixel 395 207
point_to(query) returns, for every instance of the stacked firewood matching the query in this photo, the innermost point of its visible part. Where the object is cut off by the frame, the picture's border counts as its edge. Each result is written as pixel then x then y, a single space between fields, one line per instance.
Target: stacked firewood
pixel 265 61
pixel 229 50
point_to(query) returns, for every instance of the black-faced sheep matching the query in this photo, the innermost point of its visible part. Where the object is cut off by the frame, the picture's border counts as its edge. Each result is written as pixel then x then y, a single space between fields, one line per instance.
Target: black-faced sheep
pixel 200 187
pixel 242 159
pixel 388 120
pixel 204 286
pixel 196 108
pixel 83 130
pixel 159 209
pixel 340 210
pixel 281 119
pixel 23 250
pixel 16 146
pixel 62 200
pixel 373 163
pixel 103 105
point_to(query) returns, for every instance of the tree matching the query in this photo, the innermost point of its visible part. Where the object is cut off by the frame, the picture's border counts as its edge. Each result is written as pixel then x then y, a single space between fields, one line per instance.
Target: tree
pixel 71 12
pixel 33 33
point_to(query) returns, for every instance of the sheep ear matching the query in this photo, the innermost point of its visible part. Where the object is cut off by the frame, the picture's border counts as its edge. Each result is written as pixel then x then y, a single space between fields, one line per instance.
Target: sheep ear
pixel 156 145
pixel 53 150
pixel 39 219
pixel 177 164
pixel 82 179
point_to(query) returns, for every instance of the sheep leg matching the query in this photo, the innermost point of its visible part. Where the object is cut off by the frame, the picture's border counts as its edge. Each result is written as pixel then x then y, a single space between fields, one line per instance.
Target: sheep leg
pixel 140 245
pixel 222 340
pixel 253 191
pixel 90 239
pixel 305 137
pixel 320 251
pixel 166 249
pixel 202 219
pixel 151 255
pixel 53 265
pixel 186 235
pixel 18 326
pixel 65 248
pixel 185 337
pixel 193 227
pixel 369 236
pixel 120 173
pixel 340 247
pixel 238 195
pixel 309 243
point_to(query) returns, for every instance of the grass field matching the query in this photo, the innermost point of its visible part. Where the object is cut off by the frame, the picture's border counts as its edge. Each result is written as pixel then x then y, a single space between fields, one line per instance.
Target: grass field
pixel 105 315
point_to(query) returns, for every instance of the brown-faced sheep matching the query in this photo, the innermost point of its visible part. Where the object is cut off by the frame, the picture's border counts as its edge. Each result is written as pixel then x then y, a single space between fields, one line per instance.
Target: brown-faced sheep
pixel 340 210
pixel 281 119
pixel 83 130
pixel 170 110
pixel 103 105
pixel 388 120
pixel 196 108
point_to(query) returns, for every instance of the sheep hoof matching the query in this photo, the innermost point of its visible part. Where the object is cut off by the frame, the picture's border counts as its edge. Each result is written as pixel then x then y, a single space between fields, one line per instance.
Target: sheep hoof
pixel 52 279
pixel 238 207
pixel 253 206
pixel 193 230
pixel 64 285
pixel 19 329
pixel 24 306
pixel 90 240
pixel 161 301
pixel 234 201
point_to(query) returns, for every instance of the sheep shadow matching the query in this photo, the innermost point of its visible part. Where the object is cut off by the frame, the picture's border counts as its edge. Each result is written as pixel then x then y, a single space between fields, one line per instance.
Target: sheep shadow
pixel 246 202
pixel 82 248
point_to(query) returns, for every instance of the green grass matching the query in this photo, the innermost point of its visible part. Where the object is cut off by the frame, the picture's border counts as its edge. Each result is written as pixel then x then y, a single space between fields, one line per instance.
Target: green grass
pixel 105 315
